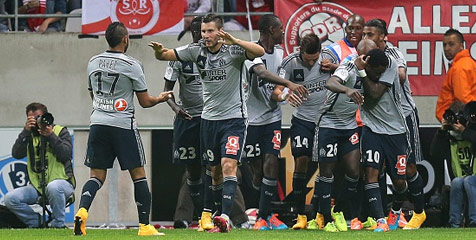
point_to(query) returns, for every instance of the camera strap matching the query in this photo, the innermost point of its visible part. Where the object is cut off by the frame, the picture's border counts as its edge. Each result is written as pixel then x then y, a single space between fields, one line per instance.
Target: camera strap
pixel 35 158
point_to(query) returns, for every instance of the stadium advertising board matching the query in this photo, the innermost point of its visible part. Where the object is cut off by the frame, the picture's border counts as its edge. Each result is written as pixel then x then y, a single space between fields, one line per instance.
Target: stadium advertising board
pixel 141 17
pixel 416 27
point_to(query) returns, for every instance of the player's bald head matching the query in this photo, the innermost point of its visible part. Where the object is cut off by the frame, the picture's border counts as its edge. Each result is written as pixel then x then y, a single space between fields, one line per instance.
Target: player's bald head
pixel 355 18
pixel 365 46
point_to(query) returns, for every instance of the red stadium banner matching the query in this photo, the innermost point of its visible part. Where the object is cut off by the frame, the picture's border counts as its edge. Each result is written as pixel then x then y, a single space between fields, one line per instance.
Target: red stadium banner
pixel 416 27
pixel 141 17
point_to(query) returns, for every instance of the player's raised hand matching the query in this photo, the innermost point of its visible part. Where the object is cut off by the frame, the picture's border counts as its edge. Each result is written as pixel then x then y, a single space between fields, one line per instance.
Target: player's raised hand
pixel 226 38
pixel 156 46
pixel 158 49
pixel 355 95
pixel 299 90
pixel 362 62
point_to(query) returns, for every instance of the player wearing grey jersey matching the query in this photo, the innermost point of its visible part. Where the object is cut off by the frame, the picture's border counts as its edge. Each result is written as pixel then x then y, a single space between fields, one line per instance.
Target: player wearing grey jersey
pixel 415 181
pixel 263 139
pixel 224 111
pixel 339 140
pixel 302 68
pixel 384 134
pixel 186 147
pixel 113 77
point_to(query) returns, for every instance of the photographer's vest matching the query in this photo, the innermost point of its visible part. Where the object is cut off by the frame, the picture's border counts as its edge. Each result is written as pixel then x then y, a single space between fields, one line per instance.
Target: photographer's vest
pixel 55 169
pixel 462 155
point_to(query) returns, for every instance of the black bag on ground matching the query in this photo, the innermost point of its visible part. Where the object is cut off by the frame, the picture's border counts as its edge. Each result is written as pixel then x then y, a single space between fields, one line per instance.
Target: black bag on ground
pixel 9 220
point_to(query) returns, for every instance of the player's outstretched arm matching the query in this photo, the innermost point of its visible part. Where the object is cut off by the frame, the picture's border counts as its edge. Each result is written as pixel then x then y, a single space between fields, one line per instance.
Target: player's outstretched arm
pixel 268 76
pixel 146 100
pixel 162 53
pixel 253 50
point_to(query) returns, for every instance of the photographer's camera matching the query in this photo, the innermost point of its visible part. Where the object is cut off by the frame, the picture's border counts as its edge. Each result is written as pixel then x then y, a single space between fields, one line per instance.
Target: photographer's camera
pixel 45 119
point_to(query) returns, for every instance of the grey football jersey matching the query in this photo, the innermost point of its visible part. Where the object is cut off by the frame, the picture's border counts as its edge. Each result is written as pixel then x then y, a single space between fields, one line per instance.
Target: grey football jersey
pixel 386 117
pixel 338 111
pixel 190 92
pixel 223 92
pixel 261 108
pixel 313 79
pixel 113 78
pixel 408 105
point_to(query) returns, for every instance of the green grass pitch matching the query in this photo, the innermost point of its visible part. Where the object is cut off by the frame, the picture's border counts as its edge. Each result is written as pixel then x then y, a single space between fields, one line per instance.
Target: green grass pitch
pixel 425 233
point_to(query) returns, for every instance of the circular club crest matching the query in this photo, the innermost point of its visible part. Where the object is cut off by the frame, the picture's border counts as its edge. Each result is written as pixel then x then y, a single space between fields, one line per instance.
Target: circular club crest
pixel 326 20
pixel 139 16
pixel 120 105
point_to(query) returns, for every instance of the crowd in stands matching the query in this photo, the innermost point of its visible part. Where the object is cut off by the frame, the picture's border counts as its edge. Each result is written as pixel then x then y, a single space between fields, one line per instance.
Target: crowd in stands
pixel 40 25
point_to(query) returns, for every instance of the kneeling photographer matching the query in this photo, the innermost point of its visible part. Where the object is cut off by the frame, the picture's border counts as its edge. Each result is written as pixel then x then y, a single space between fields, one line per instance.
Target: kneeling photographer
pixel 455 141
pixel 48 149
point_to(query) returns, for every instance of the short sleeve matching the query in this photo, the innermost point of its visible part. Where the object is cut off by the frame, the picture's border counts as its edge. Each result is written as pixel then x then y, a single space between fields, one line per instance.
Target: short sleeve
pixel 138 78
pixel 285 70
pixel 188 53
pixel 342 72
pixel 238 53
pixel 251 64
pixel 172 71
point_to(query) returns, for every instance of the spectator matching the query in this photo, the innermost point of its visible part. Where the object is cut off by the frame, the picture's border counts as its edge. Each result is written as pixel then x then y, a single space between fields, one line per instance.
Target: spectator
pixel 59 177
pixel 3 21
pixel 460 81
pixel 254 6
pixel 42 25
pixel 455 141
pixel 73 5
pixel 195 6
pixel 230 22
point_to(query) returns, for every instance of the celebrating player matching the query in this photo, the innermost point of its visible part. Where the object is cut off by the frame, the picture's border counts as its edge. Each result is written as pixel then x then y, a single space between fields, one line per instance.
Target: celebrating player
pixel 113 77
pixel 219 58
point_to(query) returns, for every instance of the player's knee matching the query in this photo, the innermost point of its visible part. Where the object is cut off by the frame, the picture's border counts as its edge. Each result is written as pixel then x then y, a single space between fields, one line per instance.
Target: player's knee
pixel 194 173
pixel 371 175
pixel 325 172
pixel 229 168
pixel 399 184
pixel 301 164
pixel 411 170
